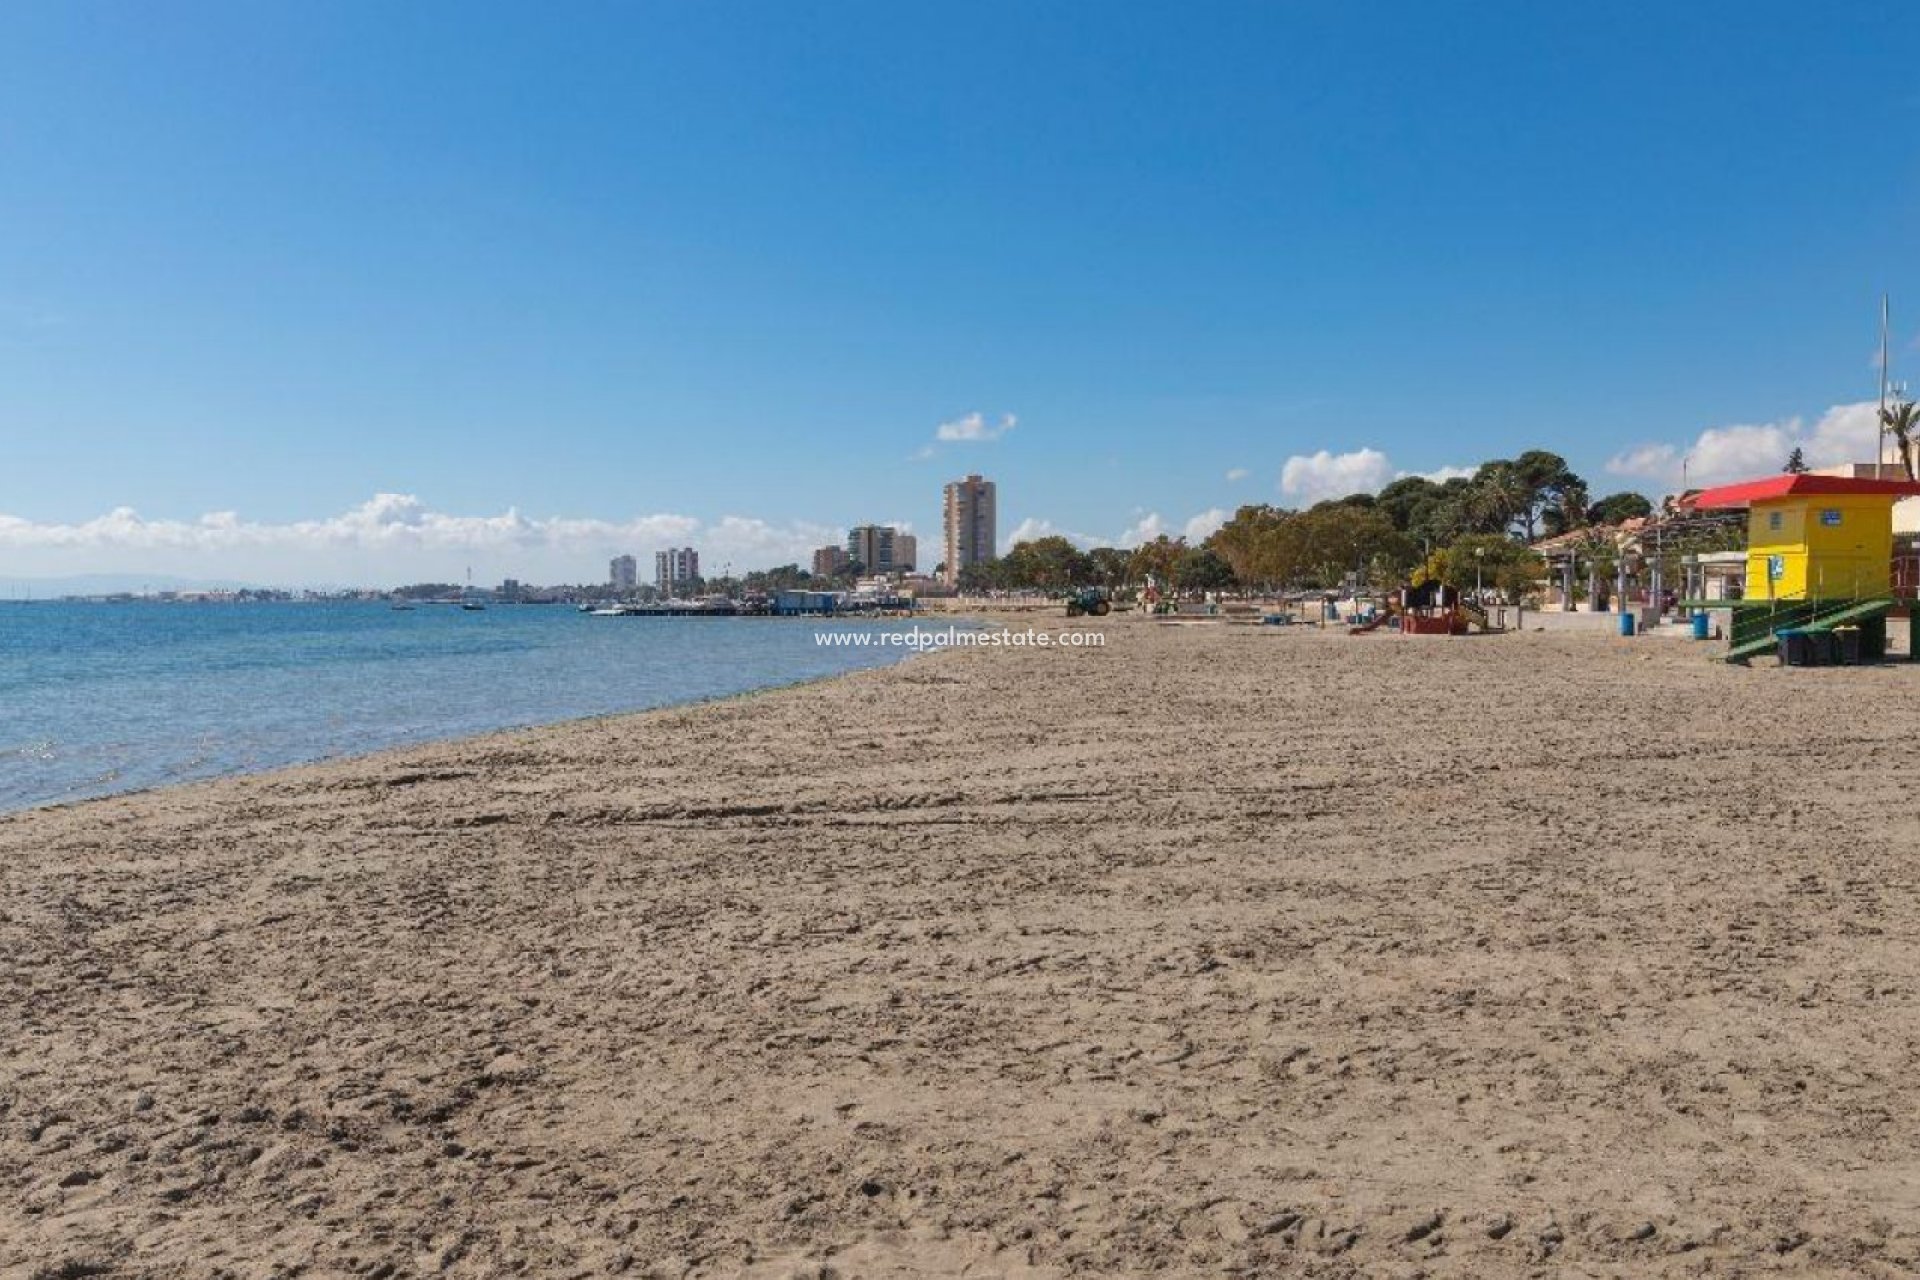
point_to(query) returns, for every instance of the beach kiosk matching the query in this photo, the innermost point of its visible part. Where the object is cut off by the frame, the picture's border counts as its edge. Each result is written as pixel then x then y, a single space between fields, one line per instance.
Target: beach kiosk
pixel 1819 560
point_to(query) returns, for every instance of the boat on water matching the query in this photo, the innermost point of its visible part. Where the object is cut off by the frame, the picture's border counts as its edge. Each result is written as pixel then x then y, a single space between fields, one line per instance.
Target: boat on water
pixel 472 606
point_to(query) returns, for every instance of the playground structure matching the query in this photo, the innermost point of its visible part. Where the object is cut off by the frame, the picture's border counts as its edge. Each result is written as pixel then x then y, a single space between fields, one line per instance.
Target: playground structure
pixel 1427 606
pixel 1819 561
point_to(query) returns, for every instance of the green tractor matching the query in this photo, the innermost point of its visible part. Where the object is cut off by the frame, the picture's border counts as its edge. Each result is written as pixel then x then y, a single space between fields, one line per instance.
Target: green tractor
pixel 1091 602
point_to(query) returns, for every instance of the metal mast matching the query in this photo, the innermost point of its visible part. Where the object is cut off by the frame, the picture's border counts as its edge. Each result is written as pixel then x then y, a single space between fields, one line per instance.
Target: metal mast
pixel 1880 454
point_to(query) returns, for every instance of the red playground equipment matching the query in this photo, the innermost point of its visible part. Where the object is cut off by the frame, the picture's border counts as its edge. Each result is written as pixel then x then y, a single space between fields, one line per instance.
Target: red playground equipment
pixel 1428 609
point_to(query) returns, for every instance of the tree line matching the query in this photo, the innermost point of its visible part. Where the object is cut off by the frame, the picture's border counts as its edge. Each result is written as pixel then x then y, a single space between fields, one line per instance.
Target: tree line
pixel 1469 529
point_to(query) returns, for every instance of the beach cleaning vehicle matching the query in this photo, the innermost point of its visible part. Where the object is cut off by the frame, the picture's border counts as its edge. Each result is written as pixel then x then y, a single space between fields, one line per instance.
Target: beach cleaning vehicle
pixel 1089 601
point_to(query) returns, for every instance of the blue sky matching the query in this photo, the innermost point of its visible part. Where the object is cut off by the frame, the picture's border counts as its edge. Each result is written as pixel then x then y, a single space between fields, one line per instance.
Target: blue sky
pixel 630 270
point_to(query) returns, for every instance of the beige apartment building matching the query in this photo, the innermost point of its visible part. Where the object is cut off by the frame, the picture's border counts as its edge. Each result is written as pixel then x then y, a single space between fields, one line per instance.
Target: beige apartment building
pixel 872 546
pixel 970 525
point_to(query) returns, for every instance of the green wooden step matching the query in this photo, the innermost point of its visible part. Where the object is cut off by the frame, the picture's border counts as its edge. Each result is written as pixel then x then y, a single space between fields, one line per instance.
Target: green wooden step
pixel 1826 618
pixel 1865 611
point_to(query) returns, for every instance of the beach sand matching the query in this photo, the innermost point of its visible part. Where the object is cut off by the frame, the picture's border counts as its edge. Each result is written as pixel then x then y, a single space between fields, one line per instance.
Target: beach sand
pixel 1216 951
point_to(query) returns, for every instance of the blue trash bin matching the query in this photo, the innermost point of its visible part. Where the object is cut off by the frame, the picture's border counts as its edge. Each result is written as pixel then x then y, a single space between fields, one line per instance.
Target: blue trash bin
pixel 1700 621
pixel 1626 623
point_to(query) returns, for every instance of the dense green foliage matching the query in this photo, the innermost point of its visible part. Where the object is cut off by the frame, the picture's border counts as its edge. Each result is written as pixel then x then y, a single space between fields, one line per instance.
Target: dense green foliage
pixel 1480 522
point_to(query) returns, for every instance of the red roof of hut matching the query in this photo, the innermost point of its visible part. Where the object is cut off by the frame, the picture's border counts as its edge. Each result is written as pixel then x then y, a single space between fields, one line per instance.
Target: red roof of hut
pixel 1788 485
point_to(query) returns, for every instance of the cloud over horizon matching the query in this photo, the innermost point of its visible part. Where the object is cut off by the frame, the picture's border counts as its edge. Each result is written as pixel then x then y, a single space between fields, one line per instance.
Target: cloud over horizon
pixel 1148 526
pixel 1720 455
pixel 395 538
pixel 1307 478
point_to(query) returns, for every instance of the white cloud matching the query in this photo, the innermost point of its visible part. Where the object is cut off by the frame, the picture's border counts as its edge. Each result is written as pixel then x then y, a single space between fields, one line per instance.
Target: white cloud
pixel 1201 527
pixel 1646 460
pixel 1151 525
pixel 1307 478
pixel 1147 528
pixel 973 428
pixel 1720 455
pixel 1033 527
pixel 1237 473
pixel 393 538
pixel 1315 477
pixel 1440 475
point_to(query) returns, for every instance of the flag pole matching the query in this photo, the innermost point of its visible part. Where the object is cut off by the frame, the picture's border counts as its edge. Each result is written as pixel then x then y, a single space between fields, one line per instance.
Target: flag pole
pixel 1880 454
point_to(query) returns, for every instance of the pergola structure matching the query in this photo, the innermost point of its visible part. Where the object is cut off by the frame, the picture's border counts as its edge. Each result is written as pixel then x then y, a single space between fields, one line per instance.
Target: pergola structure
pixel 1649 551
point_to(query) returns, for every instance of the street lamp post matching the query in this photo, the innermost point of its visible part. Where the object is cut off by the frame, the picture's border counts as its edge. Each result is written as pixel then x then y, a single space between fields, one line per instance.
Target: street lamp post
pixel 1479 586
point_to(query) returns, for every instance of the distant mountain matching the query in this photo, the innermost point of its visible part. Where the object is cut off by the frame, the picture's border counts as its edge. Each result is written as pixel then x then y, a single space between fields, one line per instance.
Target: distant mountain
pixel 102 584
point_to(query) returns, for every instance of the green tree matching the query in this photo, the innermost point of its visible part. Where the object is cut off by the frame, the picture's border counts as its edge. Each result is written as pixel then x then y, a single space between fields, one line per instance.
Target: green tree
pixel 1567 509
pixel 1555 495
pixel 1532 493
pixel 1402 500
pixel 786 577
pixel 1108 566
pixel 1902 418
pixel 1444 514
pixel 1048 564
pixel 1616 507
pixel 1253 545
pixel 1334 541
pixel 1499 496
pixel 1159 558
pixel 1796 462
pixel 1199 569
pixel 980 576
pixel 1492 560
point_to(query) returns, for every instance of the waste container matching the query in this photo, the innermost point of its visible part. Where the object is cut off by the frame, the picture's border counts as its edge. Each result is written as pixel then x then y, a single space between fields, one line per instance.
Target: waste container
pixel 1626 623
pixel 1846 645
pixel 1700 622
pixel 1796 648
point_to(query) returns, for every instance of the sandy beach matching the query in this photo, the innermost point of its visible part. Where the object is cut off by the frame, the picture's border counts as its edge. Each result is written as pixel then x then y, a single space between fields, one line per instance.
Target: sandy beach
pixel 1220 950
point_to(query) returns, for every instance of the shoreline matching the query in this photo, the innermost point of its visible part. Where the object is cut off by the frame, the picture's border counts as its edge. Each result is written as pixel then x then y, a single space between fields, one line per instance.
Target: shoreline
pixel 1216 948
pixel 476 740
pixel 961 621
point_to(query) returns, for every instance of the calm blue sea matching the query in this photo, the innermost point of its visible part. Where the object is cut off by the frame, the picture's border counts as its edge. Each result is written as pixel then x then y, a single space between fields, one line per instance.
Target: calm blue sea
pixel 98 698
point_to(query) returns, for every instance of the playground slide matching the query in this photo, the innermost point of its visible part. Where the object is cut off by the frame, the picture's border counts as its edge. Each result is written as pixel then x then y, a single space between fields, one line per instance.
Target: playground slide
pixel 1372 624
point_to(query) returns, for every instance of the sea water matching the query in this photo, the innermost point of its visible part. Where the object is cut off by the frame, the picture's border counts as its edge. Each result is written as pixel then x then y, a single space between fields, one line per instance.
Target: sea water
pixel 98 698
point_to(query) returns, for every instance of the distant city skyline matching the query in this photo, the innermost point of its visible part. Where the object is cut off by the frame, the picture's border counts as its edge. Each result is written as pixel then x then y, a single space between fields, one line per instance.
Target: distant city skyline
pixel 298 297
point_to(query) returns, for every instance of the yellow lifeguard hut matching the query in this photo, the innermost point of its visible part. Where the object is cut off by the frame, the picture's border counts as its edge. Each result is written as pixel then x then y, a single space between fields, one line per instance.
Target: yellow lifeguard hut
pixel 1819 556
